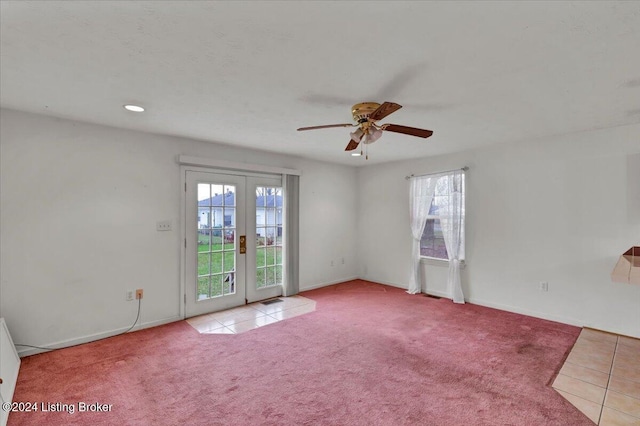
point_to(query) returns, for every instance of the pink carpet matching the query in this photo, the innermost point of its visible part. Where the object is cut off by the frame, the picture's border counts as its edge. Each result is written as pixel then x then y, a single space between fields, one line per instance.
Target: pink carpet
pixel 369 355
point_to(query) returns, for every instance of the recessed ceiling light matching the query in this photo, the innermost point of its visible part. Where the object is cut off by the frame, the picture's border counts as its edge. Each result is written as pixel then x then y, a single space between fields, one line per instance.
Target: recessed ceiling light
pixel 134 108
pixel 356 154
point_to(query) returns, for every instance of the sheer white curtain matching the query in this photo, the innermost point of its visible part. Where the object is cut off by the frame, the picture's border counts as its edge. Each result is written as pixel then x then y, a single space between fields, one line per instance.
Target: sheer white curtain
pixel 421 194
pixel 451 212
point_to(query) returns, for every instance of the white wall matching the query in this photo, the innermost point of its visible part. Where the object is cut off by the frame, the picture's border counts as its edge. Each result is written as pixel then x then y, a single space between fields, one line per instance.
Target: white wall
pixel 79 204
pixel 559 210
pixel 76 201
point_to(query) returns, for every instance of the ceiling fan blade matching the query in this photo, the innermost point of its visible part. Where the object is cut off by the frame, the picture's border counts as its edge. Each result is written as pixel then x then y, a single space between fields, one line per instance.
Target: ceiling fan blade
pixel 326 126
pixel 421 133
pixel 383 110
pixel 351 145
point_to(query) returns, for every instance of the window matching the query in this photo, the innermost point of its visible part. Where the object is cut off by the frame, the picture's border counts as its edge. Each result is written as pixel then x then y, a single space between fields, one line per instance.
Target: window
pixel 432 243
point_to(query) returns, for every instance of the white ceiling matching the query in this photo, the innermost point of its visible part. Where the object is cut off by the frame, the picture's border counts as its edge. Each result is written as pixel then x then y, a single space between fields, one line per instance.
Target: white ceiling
pixel 250 73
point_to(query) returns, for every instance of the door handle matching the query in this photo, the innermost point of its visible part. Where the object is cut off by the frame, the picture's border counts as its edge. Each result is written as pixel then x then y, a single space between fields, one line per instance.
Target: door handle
pixel 243 244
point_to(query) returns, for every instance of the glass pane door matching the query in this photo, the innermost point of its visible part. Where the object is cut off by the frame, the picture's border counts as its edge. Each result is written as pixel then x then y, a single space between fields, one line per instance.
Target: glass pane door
pixel 268 236
pixel 215 218
pixel 265 266
pixel 216 240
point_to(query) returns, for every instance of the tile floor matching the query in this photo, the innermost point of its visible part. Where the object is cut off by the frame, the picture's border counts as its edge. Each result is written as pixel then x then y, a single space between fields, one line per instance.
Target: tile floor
pixel 601 377
pixel 248 317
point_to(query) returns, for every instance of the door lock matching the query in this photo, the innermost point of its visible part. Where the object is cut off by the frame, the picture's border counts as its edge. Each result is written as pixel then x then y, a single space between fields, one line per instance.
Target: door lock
pixel 243 244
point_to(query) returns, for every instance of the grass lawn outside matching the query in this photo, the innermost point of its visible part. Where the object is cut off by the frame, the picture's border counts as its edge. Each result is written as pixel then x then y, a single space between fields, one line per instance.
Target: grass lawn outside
pixel 216 264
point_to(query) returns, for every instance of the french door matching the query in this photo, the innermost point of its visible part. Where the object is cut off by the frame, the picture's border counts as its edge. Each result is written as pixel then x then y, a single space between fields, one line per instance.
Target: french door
pixel 234 229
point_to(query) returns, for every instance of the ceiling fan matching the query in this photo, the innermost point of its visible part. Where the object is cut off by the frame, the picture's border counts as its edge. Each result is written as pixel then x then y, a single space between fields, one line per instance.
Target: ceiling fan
pixel 365 115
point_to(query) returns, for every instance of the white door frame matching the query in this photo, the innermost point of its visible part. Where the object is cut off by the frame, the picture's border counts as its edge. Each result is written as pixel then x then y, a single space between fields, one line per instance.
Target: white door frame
pixel 247 170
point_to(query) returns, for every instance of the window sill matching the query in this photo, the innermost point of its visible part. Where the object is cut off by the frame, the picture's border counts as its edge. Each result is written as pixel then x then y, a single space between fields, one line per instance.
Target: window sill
pixel 438 262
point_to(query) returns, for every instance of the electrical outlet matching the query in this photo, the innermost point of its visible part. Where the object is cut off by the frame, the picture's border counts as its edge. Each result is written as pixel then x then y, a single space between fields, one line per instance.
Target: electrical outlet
pixel 164 225
pixel 544 286
pixel 139 293
pixel 129 295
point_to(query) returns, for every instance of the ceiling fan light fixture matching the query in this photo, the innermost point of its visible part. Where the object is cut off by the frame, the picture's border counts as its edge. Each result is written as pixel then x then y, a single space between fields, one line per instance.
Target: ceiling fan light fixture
pixel 357 135
pixel 374 134
pixel 366 114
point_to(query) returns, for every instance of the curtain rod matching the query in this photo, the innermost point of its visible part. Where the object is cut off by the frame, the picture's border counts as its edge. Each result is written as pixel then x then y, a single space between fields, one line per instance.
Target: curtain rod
pixel 465 168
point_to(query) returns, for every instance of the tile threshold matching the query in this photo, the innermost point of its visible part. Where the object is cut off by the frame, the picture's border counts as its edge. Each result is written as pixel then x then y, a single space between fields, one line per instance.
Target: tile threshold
pixel 249 317
pixel 601 378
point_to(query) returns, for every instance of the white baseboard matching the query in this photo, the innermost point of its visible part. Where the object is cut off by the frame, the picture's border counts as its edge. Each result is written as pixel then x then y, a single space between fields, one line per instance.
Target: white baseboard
pixel 93 337
pixel 527 312
pixel 325 284
pixel 499 306
pixel 9 368
pixel 438 293
pixel 507 308
pixel 404 287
